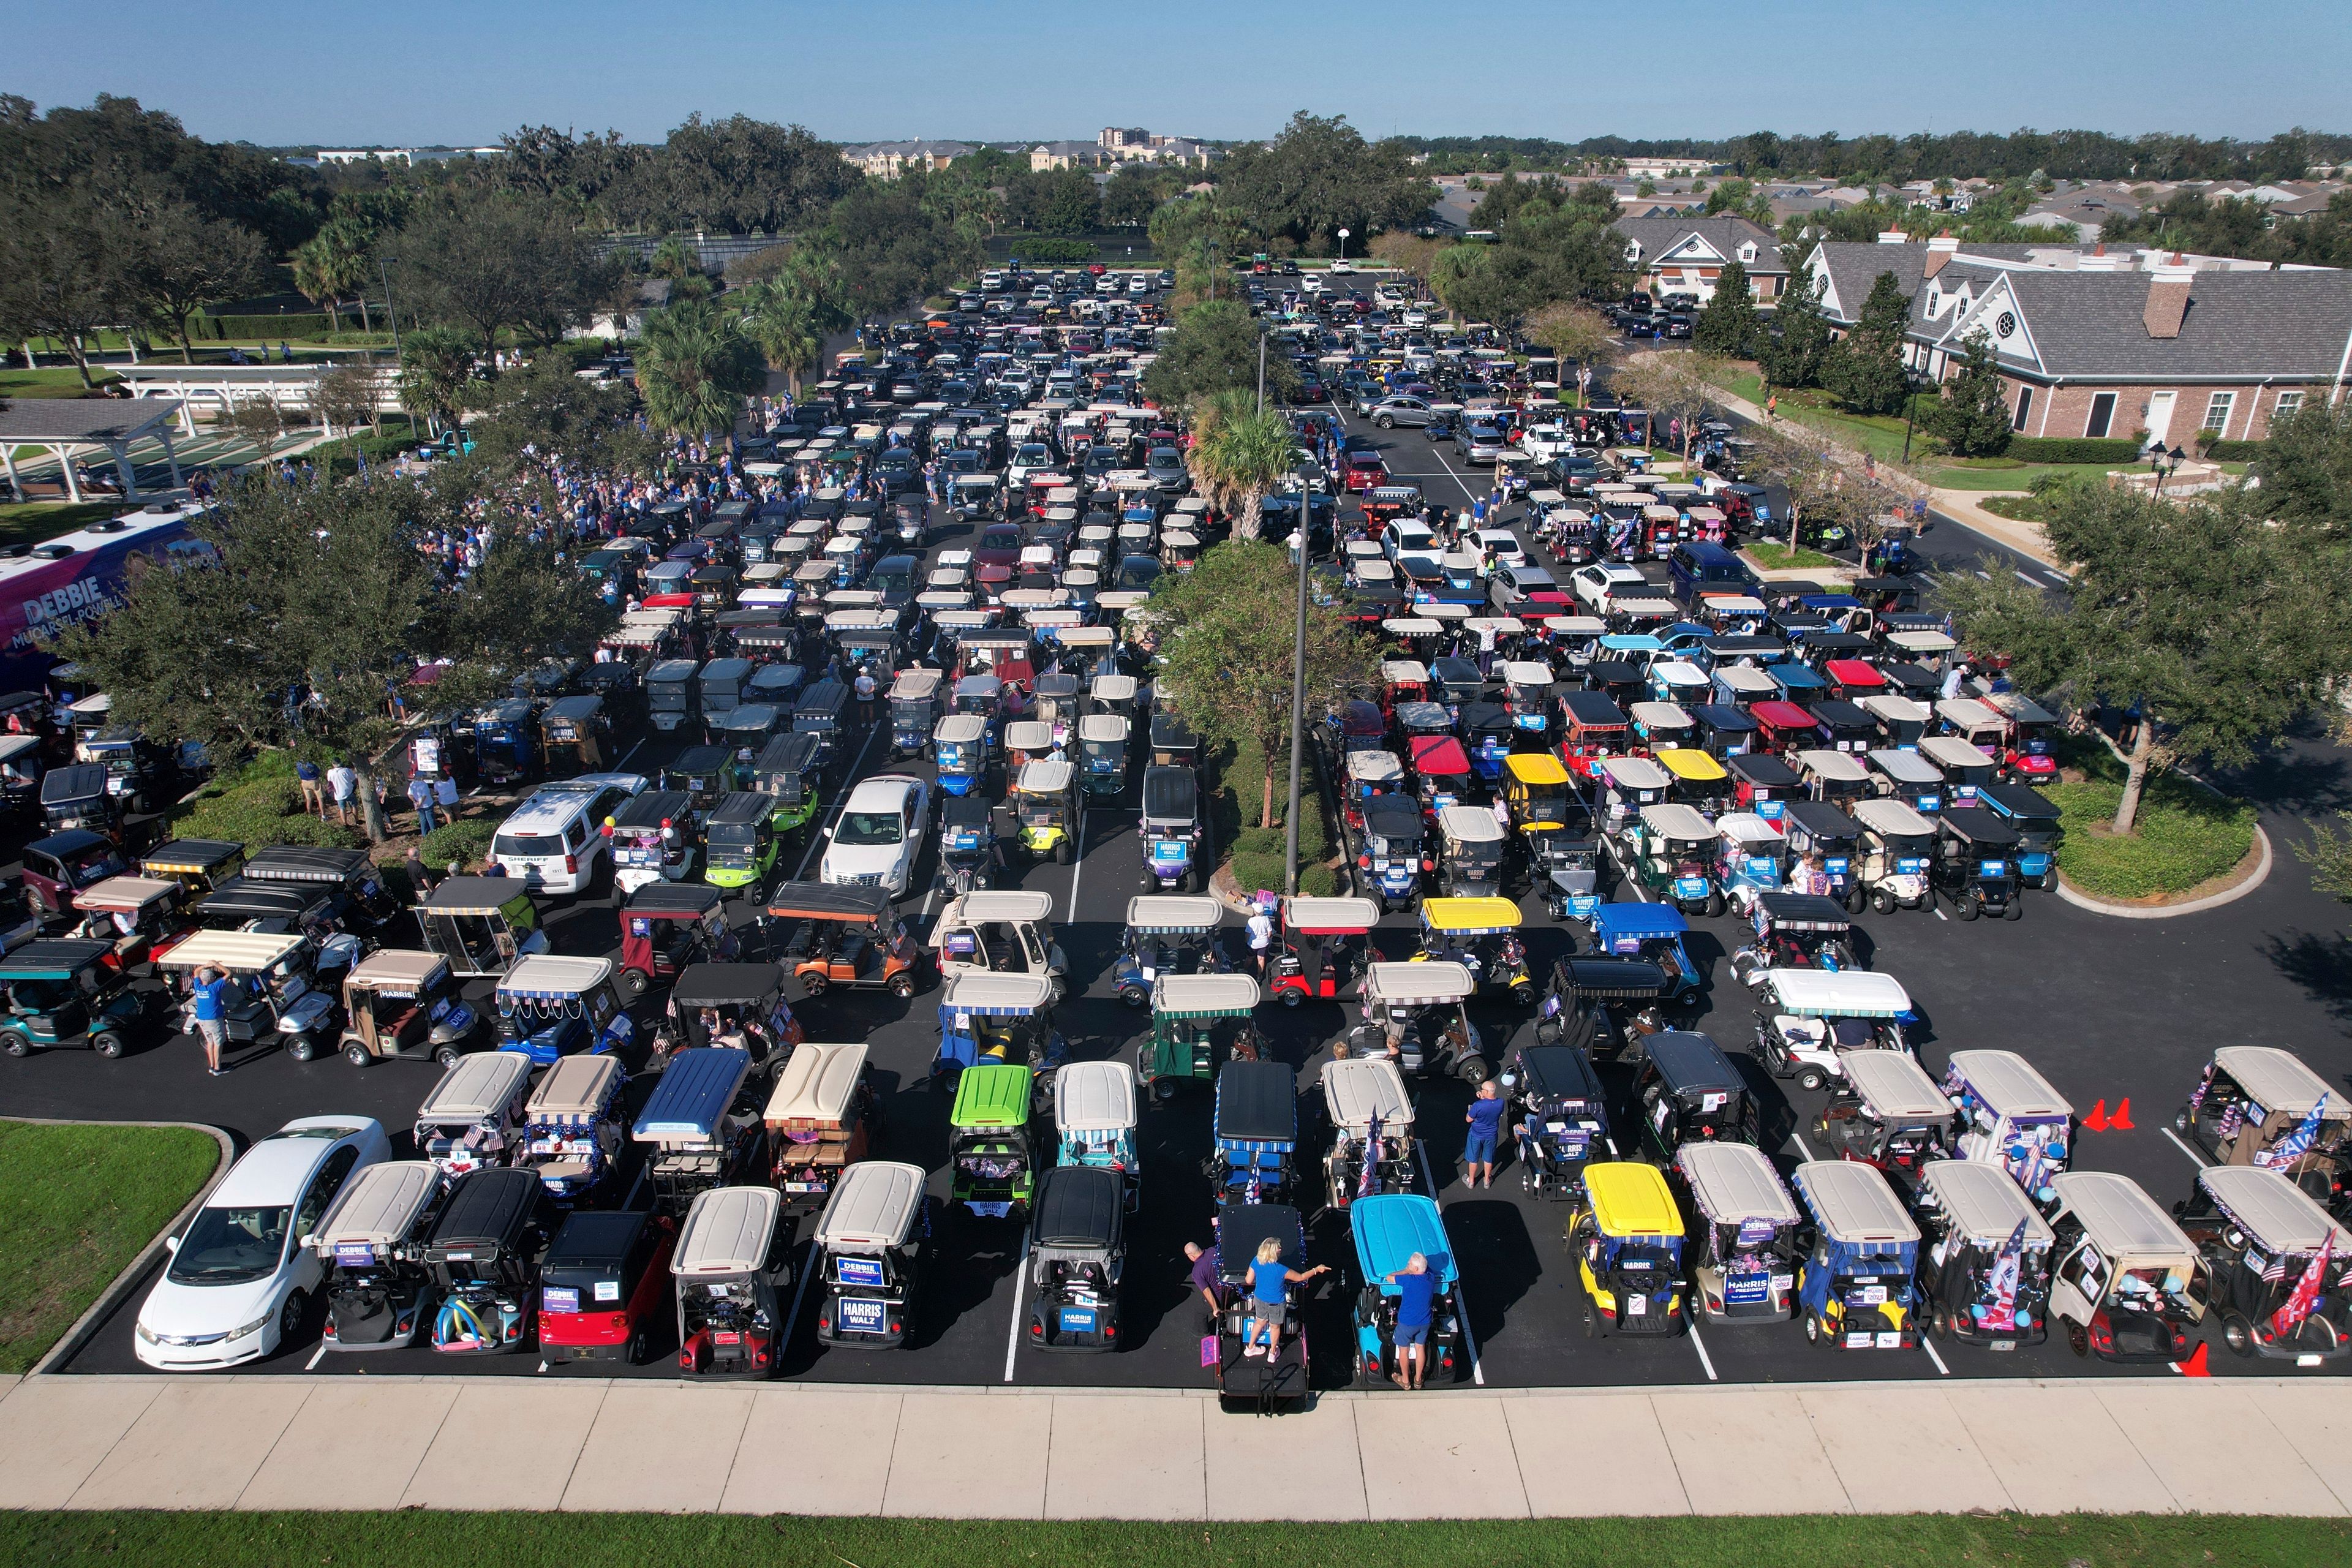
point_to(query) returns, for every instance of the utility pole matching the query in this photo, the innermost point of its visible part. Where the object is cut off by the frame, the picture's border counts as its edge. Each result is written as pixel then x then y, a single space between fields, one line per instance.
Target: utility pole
pixel 1297 691
pixel 1261 372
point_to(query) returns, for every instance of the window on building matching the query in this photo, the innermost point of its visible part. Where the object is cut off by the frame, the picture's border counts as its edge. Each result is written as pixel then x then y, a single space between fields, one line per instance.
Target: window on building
pixel 2024 408
pixel 2288 402
pixel 2103 414
pixel 2217 410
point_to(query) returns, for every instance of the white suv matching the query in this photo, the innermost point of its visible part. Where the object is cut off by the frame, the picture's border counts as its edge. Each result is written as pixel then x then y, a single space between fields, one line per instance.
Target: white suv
pixel 879 834
pixel 555 839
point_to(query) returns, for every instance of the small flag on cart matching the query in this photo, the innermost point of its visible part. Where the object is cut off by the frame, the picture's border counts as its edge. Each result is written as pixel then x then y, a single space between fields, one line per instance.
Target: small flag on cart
pixel 2007 1269
pixel 1368 1181
pixel 2299 1305
pixel 2297 1144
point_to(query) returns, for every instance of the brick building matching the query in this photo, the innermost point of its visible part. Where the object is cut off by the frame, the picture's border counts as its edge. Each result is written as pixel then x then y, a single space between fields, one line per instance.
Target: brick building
pixel 2101 344
pixel 1687 255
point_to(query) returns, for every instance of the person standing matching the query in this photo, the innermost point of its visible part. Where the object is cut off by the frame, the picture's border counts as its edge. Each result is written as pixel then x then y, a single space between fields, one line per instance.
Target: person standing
pixel 343 785
pixel 1261 938
pixel 1416 1304
pixel 1485 1121
pixel 1270 1280
pixel 314 788
pixel 208 989
pixel 1202 1276
pixel 865 685
pixel 420 796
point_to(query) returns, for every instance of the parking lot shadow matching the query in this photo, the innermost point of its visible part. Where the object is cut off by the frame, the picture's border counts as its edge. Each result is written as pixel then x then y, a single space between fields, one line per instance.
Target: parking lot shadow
pixel 2320 963
pixel 1497 1256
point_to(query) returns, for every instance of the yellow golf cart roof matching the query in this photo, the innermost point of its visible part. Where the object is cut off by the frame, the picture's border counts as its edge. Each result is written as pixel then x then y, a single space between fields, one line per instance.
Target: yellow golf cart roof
pixel 1632 1199
pixel 1683 763
pixel 1537 768
pixel 1474 917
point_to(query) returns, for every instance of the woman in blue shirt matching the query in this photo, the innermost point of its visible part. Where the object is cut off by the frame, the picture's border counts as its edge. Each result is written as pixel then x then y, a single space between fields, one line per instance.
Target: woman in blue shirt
pixel 1270 1282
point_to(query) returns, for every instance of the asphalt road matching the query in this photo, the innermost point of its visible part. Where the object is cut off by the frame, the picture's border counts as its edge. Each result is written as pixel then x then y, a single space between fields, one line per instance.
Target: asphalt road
pixel 2109 1009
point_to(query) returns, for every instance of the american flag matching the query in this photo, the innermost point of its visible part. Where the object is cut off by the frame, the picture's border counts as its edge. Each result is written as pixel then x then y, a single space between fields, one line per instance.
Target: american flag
pixel 1368 1181
pixel 2204 1087
pixel 2007 1268
pixel 2290 1317
pixel 2232 1118
pixel 2297 1144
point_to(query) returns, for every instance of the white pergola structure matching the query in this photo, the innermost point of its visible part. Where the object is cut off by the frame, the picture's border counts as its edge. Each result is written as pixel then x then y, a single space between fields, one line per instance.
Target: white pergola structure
pixel 64 426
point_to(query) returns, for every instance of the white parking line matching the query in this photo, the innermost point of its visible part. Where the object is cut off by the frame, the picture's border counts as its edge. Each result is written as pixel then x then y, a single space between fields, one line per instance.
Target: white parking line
pixel 632 752
pixel 316 1357
pixel 2062 579
pixel 2194 1158
pixel 2026 580
pixel 1803 1147
pixel 1986 575
pixel 1930 1349
pixel 1942 916
pixel 1704 1360
pixel 1020 1292
pixel 1077 865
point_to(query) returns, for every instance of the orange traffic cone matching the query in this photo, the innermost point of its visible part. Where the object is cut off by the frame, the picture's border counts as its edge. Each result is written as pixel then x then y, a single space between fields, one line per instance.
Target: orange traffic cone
pixel 2195 1365
pixel 2121 1120
pixel 2097 1120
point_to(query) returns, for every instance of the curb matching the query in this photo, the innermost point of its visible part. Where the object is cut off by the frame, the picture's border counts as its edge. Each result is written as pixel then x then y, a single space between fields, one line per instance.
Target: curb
pixel 71 1343
pixel 2195 906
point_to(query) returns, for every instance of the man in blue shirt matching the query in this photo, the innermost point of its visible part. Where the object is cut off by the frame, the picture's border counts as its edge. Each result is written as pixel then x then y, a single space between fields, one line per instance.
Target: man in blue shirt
pixel 207 988
pixel 1416 1299
pixel 1486 1119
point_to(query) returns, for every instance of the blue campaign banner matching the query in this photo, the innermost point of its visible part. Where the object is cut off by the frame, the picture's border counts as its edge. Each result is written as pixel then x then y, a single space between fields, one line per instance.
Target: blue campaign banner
pixel 865 1271
pixel 41 596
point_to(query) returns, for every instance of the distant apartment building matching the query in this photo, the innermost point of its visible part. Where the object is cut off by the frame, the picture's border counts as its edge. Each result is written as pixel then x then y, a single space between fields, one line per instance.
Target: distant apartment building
pixel 889 160
pixel 1046 155
pixel 1668 168
pixel 1132 143
pixel 408 155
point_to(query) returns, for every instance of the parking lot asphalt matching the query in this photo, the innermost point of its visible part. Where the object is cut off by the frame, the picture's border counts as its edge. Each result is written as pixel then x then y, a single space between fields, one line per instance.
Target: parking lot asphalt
pixel 2110 1010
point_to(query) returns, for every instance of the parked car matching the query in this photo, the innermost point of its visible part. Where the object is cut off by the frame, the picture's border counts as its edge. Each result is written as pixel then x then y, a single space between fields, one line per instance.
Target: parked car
pixel 879 834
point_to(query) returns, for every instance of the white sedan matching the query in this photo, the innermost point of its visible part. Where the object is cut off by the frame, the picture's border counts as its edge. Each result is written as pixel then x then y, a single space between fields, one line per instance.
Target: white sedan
pixel 879 834
pixel 240 1279
pixel 1597 585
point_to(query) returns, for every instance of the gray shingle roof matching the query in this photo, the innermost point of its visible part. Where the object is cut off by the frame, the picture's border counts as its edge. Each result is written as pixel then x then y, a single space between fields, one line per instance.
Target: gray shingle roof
pixel 2291 325
pixel 1658 235
pixel 1854 266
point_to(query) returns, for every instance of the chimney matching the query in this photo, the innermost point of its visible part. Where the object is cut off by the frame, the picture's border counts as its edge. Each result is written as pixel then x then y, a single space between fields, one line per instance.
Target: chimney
pixel 1940 249
pixel 2168 299
pixel 1892 236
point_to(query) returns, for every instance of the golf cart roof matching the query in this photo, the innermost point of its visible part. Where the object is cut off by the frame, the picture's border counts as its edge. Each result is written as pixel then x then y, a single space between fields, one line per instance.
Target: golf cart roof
pixel 727 1231
pixel 2280 1080
pixel 1203 996
pixel 1837 994
pixel 1835 767
pixel 1895 710
pixel 2277 1216
pixel 397 972
pixel 1241 1228
pixel 1730 1183
pixel 1892 817
pixel 1687 762
pixel 1330 917
pixel 994 1095
pixel 1404 671
pixel 476 895
pixel 992 996
pixel 2008 1083
pixel 1170 795
pixel 1639 921
pixel 1079 1209
pixel 1389 1228
pixel 1010 906
pixel 190 856
pixel 675 898
pixel 817 1084
pixel 1676 820
pixel 1101 728
pixel 1392 817
pixel 690 1098
pixel 574 1086
pixel 2117 1216
pixel 1744 679
pixel 1852 1203
pixel 828 901
pixel 1256 1102
pixel 1983 1204
pixel 1095 1096
pixel 1422 715
pixel 1536 768
pixel 1661 715
pixel 300 863
pixel 1112 689
pixel 873 1206
pixel 1630 1199
pixel 380 1206
pixel 1172 914
pixel 125 893
pixel 1743 827
pixel 1895 1086
pixel 1692 1063
pixel 960 729
pixel 15 746
pixel 2019 708
pixel 1470 917
pixel 1418 985
pixel 915 685
pixel 1951 751
pixel 1029 735
pixel 1374 767
pixel 1470 824
pixel 542 976
pixel 1525 672
pixel 1357 1089
pixel 1804 911
pixel 1966 713
pixel 1906 767
pixel 725 985
pixel 238 952
pixel 1922 641
pixel 1636 772
pixel 478 1086
pixel 490 1208
pixel 52 958
pixel 1050 775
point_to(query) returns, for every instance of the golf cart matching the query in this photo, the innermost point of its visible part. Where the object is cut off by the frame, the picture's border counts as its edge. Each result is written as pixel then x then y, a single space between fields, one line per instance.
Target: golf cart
pixel 1167 933
pixel 1811 1016
pixel 401 1005
pixel 60 992
pixel 822 1118
pixel 1003 932
pixel 1372 1141
pixel 1170 830
pixel 482 925
pixel 274 990
pixel 849 936
pixel 731 1264
pixel 1185 1044
pixel 550 1008
pixel 1416 1013
pixel 667 927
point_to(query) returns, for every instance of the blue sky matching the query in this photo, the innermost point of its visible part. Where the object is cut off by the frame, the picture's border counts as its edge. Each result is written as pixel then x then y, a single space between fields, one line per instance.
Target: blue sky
pixel 429 71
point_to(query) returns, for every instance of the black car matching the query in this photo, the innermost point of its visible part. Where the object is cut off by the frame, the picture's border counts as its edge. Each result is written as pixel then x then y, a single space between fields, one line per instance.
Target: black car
pixel 1676 325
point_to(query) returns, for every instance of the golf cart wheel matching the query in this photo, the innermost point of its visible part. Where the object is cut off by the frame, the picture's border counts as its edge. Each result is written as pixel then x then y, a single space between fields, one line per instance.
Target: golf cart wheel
pixel 634 983
pixel 1163 1090
pixel 902 986
pixel 301 1049
pixel 1134 996
pixel 1592 1320
pixel 1062 853
pixel 639 1344
pixel 1883 901
pixel 15 1044
pixel 1854 898
pixel 2237 1334
pixel 1472 1071
pixel 2013 911
pixel 289 1316
pixel 1523 994
pixel 108 1044
pixel 358 1055
pixel 1967 909
pixel 1812 1330
pixel 1292 997
pixel 1713 903
pixel 1813 1079
pixel 447 1055
pixel 2078 1339
pixel 1939 1322
pixel 814 983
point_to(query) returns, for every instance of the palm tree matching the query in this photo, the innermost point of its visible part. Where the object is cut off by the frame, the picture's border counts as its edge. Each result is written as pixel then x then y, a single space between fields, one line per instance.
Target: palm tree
pixel 334 263
pixel 436 364
pixel 695 367
pixel 782 322
pixel 1239 454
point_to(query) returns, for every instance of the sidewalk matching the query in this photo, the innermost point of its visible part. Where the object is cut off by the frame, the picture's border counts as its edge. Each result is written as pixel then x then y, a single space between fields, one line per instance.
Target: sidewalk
pixel 1960 506
pixel 2103 1446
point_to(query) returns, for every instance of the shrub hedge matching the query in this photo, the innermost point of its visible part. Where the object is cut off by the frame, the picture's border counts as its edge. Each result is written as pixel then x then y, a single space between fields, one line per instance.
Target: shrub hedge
pixel 2071 450
pixel 257 812
pixel 228 329
pixel 1054 250
pixel 2235 451
pixel 465 842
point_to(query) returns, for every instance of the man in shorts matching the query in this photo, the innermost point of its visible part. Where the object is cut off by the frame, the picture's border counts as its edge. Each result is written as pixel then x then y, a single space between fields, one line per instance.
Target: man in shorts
pixel 209 988
pixel 1416 1301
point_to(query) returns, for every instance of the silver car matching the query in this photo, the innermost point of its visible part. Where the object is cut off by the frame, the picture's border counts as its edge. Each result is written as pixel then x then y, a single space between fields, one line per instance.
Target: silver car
pixel 1390 412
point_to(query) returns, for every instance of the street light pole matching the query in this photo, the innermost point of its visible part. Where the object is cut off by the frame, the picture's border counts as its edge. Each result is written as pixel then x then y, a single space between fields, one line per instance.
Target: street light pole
pixel 1297 691
pixel 1261 370
pixel 389 314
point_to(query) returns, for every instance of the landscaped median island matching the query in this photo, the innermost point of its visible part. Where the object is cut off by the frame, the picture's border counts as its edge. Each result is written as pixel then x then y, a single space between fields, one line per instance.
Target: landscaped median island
pixel 1772 557
pixel 77 1204
pixel 416 1540
pixel 2186 835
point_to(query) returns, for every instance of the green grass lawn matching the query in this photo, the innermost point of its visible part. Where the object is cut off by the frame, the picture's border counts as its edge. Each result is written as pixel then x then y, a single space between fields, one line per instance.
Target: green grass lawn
pixel 416 1540
pixel 1998 473
pixel 77 1204
pixel 1780 558
pixel 2184 833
